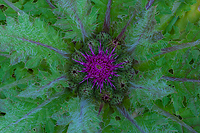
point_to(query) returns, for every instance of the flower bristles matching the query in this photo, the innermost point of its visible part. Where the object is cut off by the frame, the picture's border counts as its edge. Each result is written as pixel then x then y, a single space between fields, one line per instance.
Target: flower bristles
pixel 99 67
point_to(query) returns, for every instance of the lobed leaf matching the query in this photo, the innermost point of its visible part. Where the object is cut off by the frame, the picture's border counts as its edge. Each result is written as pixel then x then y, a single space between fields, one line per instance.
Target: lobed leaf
pixel 77 18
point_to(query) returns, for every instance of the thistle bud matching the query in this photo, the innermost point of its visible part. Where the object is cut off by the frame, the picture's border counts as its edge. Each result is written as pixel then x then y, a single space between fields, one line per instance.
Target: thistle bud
pixel 116 99
pixel 85 90
pixel 74 74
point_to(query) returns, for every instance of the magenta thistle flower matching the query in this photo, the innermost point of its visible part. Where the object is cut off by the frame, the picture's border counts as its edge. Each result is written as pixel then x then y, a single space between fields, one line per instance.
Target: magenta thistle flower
pixel 100 68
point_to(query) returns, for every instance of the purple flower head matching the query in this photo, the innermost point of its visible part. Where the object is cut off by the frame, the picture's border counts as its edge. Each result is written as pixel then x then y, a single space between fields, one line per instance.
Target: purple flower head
pixel 99 67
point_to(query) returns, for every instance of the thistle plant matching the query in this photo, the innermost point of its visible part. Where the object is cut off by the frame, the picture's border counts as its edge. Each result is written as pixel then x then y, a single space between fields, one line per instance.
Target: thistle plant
pixel 99 66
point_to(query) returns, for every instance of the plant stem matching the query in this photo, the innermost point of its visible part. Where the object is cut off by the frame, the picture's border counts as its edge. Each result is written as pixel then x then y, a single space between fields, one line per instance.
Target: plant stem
pixel 180 79
pixel 106 25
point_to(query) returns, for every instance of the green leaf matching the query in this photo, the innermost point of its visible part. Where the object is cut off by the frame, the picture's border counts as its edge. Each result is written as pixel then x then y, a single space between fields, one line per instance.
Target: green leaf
pixel 25 29
pixel 140 33
pixel 32 63
pixel 77 18
pixel 62 117
pixel 84 116
pixel 2 16
pixel 30 114
pixel 35 90
pixel 20 71
pixel 177 102
pixel 169 27
pixel 120 123
pixel 148 87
